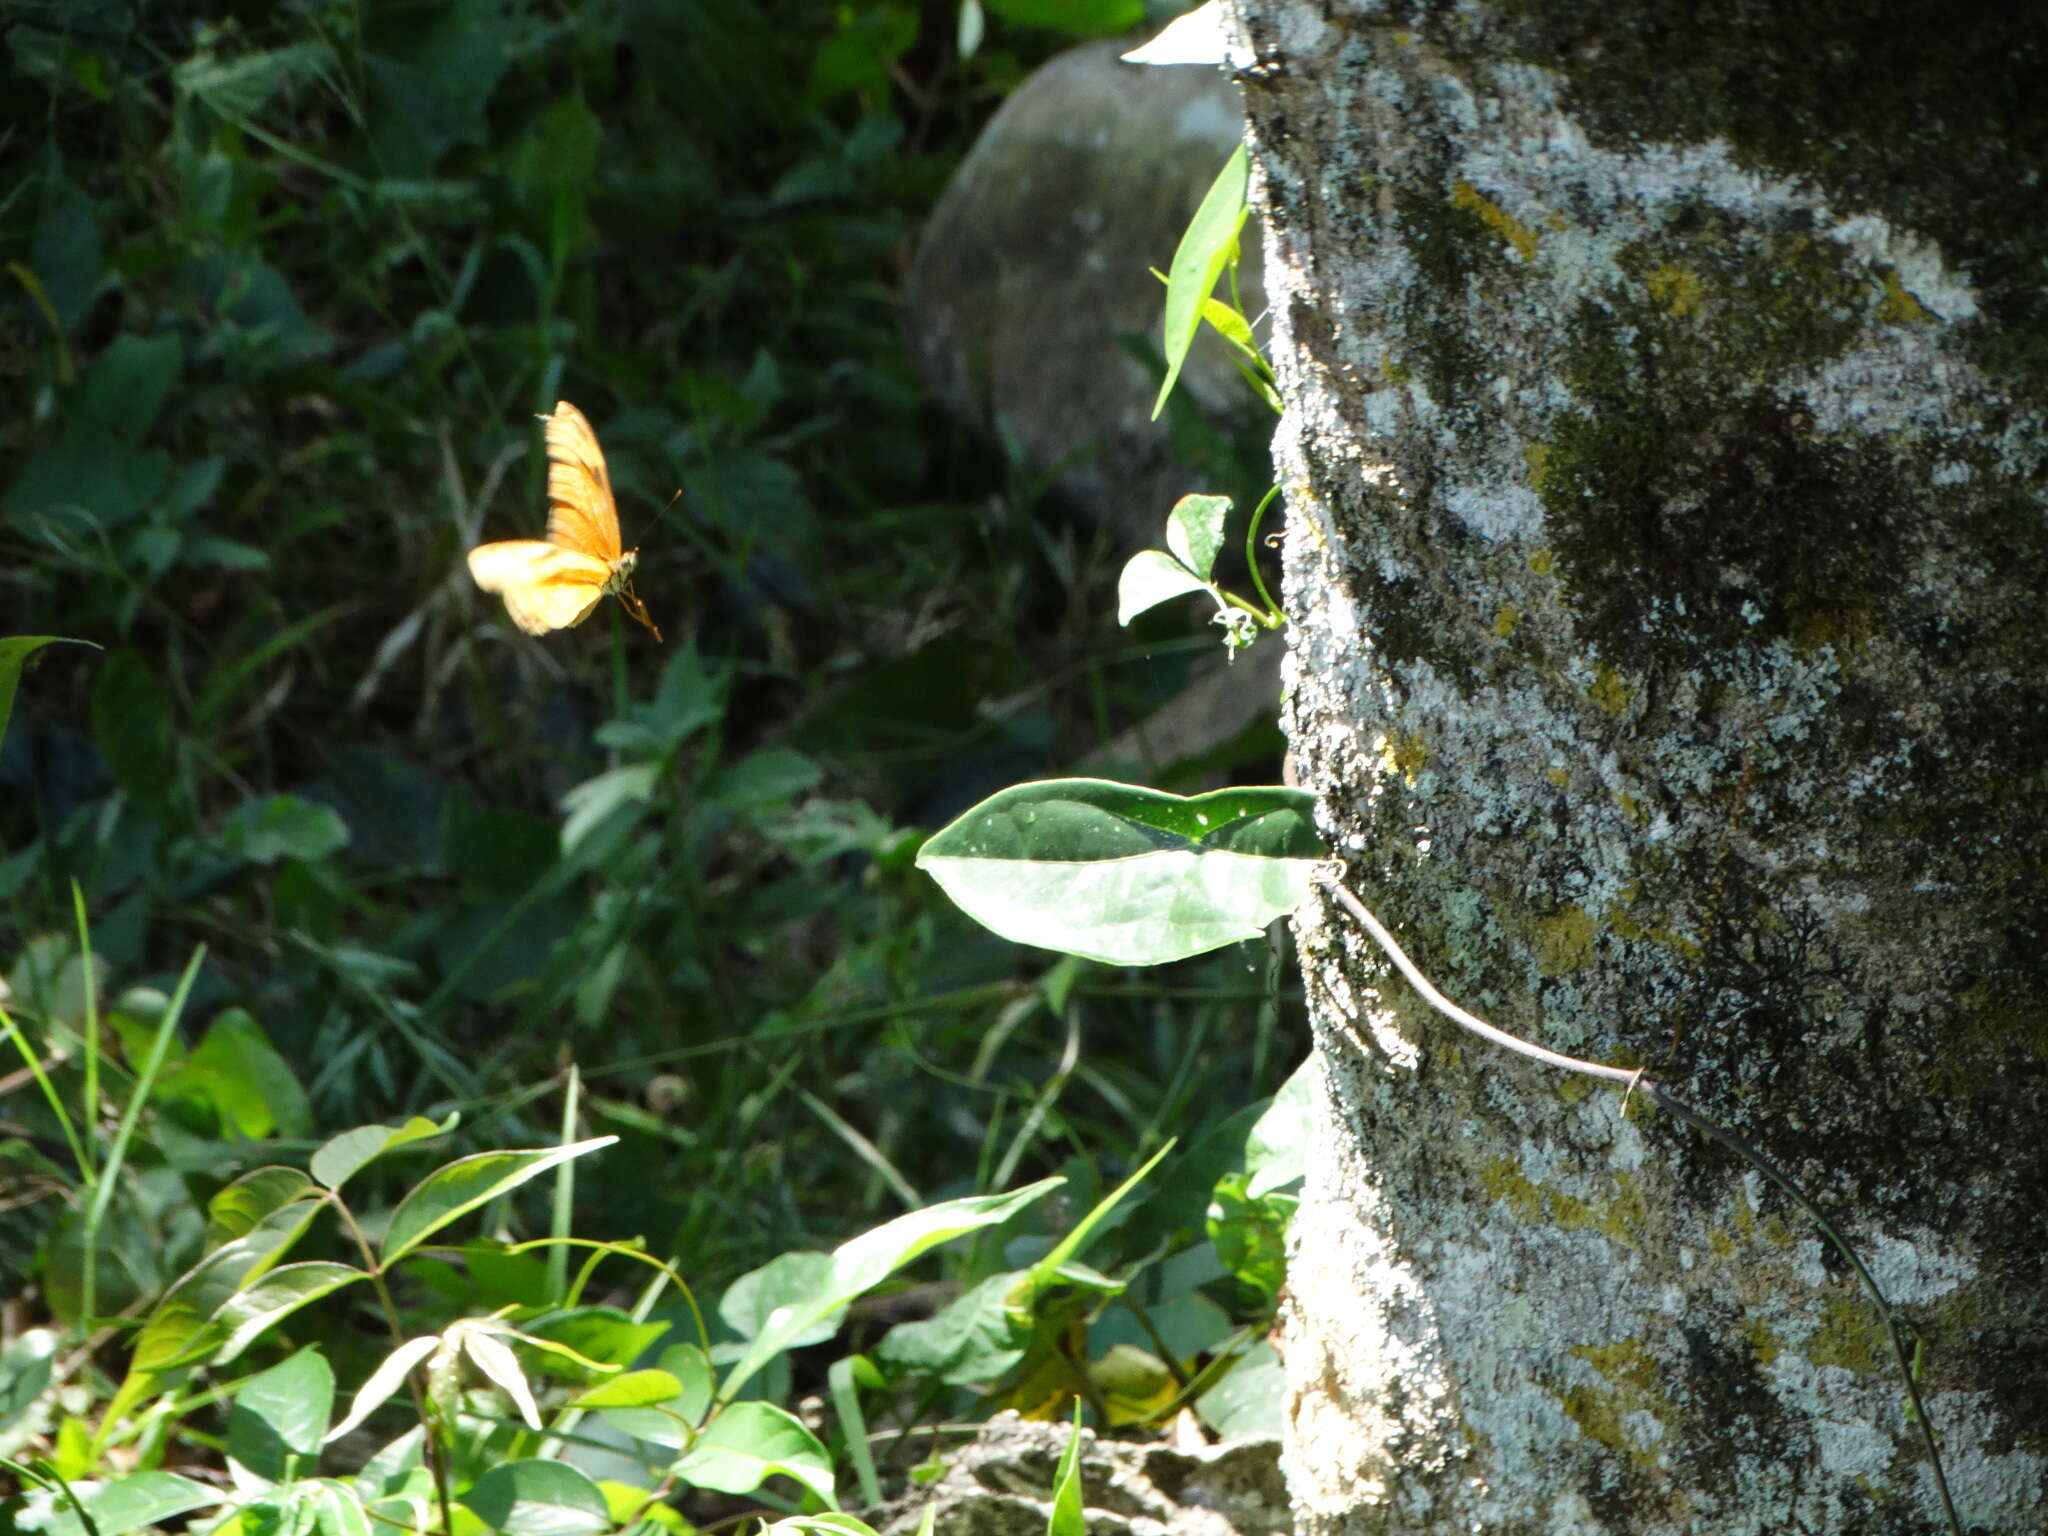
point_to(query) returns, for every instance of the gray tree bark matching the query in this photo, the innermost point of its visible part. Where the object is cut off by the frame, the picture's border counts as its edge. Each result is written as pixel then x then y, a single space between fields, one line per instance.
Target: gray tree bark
pixel 1667 547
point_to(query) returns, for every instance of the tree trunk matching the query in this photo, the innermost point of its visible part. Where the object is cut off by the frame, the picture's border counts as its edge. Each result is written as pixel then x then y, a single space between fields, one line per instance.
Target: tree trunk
pixel 1667 549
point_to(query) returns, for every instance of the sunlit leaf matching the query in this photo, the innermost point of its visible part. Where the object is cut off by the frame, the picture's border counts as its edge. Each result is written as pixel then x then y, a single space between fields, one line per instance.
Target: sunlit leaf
pixel 338 1511
pixel 538 1498
pixel 1151 577
pixel 238 1073
pixel 281 1414
pixel 1205 249
pixel 635 1389
pixel 382 1382
pixel 236 1210
pixel 14 654
pixel 1193 38
pixel 257 1308
pixel 1125 875
pixel 864 1262
pixel 453 1191
pixel 974 1338
pixel 495 1359
pixel 751 1442
pixel 1194 532
pixel 1068 1516
pixel 346 1155
pixel 670 1421
pixel 598 1336
pixel 133 1503
pixel 1247 1401
pixel 1275 1152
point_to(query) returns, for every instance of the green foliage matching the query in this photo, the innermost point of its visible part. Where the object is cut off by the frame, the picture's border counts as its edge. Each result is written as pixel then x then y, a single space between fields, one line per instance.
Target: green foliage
pixel 1207 249
pixel 1124 875
pixel 15 653
pixel 294 282
pixel 1194 537
pixel 496 1393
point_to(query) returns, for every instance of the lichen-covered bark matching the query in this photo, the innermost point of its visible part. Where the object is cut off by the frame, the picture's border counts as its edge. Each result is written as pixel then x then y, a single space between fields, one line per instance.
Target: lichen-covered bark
pixel 1665 461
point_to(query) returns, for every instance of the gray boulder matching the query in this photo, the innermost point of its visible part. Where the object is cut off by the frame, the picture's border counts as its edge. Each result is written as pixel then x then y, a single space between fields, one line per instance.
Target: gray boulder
pixel 1037 260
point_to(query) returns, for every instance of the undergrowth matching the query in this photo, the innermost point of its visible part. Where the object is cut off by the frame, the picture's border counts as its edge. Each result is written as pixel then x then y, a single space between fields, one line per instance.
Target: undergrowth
pixel 286 288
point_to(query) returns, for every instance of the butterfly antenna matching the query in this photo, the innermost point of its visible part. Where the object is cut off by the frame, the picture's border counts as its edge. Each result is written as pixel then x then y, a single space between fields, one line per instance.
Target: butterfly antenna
pixel 668 507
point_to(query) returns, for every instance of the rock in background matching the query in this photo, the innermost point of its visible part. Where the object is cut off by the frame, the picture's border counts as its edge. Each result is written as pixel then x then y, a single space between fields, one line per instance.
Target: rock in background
pixel 1037 260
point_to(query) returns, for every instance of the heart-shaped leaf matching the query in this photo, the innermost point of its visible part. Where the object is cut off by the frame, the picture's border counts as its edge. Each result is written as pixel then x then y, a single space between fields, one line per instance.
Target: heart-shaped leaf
pixel 1125 875
pixel 1151 577
pixel 1194 532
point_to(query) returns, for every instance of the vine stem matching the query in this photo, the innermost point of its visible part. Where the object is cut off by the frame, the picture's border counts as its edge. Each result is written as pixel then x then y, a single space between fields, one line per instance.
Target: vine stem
pixel 1272 617
pixel 1636 1082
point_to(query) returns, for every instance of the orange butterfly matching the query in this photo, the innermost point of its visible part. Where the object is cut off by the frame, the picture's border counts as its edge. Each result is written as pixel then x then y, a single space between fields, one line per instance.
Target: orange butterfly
pixel 554 585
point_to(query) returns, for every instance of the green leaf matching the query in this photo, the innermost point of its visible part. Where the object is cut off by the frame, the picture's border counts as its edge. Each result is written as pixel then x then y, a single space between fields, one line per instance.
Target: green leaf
pixel 338 1510
pixel 346 1155
pixel 538 1498
pixel 688 699
pixel 281 1414
pixel 1194 531
pixel 1151 577
pixel 64 252
pixel 131 725
pixel 674 1420
pixel 845 1378
pixel 749 1443
pixel 258 1307
pixel 601 1335
pixel 238 1209
pixel 770 777
pixel 1195 37
pixel 237 88
pixel 134 1503
pixel 1079 18
pixel 972 1339
pixel 14 654
pixel 238 1073
pixel 1250 1236
pixel 1207 246
pixel 502 1276
pixel 857 57
pixel 750 1302
pixel 635 1389
pixel 1062 1254
pixel 186 1325
pixel 383 1382
pixel 592 801
pixel 459 1188
pixel 1248 1400
pixel 129 383
pixel 1125 875
pixel 1068 1517
pixel 862 1263
pixel 1275 1152
pixel 282 827
pixel 1236 332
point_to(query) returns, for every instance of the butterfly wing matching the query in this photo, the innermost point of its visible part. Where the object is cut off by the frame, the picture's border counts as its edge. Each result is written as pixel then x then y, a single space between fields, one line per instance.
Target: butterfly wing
pixel 544 585
pixel 581 513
